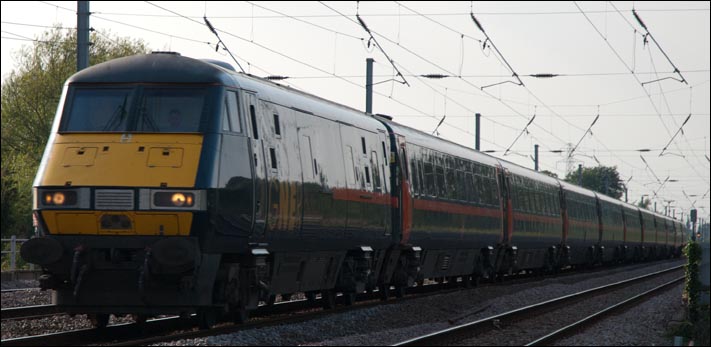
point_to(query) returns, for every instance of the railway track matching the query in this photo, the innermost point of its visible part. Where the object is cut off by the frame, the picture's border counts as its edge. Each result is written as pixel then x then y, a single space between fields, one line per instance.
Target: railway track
pixel 580 325
pixel 455 335
pixel 13 290
pixel 30 312
pixel 160 330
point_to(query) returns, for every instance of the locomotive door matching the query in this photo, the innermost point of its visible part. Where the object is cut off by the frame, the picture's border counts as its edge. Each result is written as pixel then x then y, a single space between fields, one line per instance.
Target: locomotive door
pixel 258 161
pixel 312 215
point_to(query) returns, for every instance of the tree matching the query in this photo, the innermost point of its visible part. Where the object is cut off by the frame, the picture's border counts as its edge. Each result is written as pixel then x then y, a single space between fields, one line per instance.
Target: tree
pixel 29 100
pixel 603 179
pixel 644 203
pixel 549 173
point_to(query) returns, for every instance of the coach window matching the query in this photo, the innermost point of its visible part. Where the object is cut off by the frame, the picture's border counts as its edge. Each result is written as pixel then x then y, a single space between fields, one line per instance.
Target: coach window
pixel 451 183
pixel 493 192
pixel 420 175
pixel 429 178
pixel 478 193
pixel 439 176
pixel 376 173
pixel 468 186
pixel 460 190
pixel 414 177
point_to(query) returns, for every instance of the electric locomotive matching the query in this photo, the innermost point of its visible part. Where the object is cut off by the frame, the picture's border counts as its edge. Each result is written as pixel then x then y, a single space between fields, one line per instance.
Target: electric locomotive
pixel 174 185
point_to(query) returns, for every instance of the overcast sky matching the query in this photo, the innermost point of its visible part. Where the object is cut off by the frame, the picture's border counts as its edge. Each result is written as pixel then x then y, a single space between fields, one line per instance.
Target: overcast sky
pixel 598 50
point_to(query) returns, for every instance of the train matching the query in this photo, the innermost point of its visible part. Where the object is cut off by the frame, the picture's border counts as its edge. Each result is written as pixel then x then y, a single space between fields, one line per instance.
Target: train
pixel 172 185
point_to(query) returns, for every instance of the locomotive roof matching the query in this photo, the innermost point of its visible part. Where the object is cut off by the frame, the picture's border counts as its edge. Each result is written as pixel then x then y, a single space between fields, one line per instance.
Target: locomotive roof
pixel 169 67
pixel 302 101
pixel 152 68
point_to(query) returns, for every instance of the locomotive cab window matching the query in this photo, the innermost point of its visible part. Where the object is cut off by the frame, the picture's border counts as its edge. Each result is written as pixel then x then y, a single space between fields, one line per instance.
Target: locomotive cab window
pixel 135 109
pixel 100 109
pixel 233 107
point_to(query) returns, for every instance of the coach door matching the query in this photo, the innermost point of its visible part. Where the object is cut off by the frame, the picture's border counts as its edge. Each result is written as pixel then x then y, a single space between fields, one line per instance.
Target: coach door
pixel 405 192
pixel 504 183
pixel 258 161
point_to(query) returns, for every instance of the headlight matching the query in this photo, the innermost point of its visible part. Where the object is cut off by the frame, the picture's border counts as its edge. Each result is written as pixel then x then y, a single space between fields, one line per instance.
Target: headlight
pixel 174 199
pixel 59 198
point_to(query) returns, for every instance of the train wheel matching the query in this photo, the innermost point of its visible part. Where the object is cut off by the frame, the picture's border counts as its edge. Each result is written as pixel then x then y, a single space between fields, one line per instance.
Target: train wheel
pixel 467 281
pixel 350 298
pixel 99 320
pixel 384 290
pixel 139 318
pixel 207 318
pixel 329 299
pixel 240 315
pixel 400 291
pixel 311 298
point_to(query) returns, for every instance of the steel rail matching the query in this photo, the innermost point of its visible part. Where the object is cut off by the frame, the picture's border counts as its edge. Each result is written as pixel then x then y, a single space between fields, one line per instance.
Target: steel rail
pixel 26 312
pixel 589 320
pixel 463 331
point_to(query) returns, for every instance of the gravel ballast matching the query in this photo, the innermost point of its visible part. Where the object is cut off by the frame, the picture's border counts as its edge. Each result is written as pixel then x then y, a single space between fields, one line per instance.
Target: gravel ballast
pixel 389 324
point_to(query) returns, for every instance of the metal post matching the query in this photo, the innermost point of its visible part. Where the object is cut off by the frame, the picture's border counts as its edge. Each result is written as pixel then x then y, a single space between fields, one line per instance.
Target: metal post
pixel 580 175
pixel 12 252
pixel 82 35
pixel 369 85
pixel 535 156
pixel 477 142
pixel 626 195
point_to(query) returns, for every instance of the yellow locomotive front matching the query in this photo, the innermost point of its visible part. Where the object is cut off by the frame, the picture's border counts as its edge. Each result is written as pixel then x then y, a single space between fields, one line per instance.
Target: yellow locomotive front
pixel 122 188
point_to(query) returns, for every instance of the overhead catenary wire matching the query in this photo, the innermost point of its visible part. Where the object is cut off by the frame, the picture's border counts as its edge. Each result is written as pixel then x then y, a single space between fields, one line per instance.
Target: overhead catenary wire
pixel 445 14
pixel 365 27
pixel 454 116
pixel 639 20
pixel 521 133
pixel 486 93
pixel 633 75
pixel 212 29
pixel 588 131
